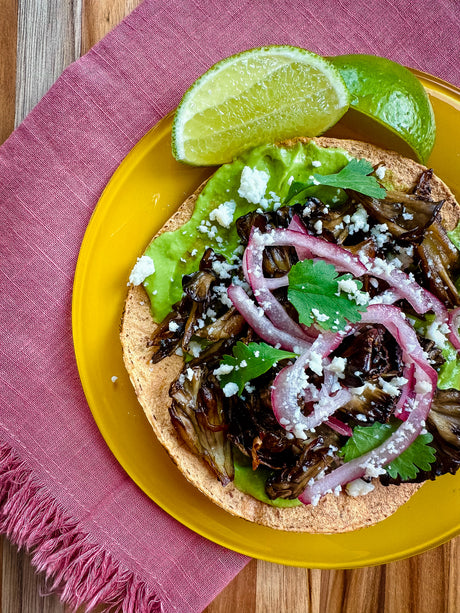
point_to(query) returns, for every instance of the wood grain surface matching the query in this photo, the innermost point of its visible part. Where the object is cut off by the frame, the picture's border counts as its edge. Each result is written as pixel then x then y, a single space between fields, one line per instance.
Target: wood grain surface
pixel 38 39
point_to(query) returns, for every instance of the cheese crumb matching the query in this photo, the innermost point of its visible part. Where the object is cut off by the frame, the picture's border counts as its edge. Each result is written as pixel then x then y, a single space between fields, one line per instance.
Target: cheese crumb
pixel 143 268
pixel 359 487
pixel 223 214
pixel 423 387
pixel 381 234
pixel 230 389
pixel 173 326
pixel 315 363
pixel 253 184
pixel 348 286
pixel 320 317
pixel 358 221
pixel 393 387
pixel 436 333
pixel 337 366
pixel 194 348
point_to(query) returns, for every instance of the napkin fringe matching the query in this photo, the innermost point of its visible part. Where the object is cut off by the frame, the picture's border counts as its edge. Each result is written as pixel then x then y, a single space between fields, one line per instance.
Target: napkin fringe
pixel 81 572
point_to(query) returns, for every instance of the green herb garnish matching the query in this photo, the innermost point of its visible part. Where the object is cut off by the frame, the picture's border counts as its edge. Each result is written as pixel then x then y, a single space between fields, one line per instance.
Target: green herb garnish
pixel 315 292
pixel 356 175
pixel 250 361
pixel 418 456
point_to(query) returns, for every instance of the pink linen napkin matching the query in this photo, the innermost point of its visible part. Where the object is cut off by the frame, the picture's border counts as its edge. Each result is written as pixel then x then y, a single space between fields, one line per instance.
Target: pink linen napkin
pixel 62 493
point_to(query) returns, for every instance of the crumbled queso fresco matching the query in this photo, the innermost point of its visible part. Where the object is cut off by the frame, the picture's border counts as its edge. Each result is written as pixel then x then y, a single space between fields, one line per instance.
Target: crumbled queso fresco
pixel 173 326
pixel 436 332
pixel 359 487
pixel 358 221
pixel 350 287
pixel 223 214
pixel 392 387
pixel 253 184
pixel 253 187
pixel 230 389
pixel 143 268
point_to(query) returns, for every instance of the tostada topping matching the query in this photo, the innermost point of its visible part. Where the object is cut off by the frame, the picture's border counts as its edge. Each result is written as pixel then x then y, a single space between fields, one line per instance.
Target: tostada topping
pixel 312 317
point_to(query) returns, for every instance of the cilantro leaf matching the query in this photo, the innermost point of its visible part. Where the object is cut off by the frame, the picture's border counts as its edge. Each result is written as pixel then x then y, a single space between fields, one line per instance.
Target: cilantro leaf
pixel 417 456
pixel 355 175
pixel 314 292
pixel 364 439
pixel 249 362
pixel 330 196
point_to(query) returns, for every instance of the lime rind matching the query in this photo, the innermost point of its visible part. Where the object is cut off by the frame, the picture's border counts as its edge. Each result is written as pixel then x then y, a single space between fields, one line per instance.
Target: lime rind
pixel 205 128
pixel 391 94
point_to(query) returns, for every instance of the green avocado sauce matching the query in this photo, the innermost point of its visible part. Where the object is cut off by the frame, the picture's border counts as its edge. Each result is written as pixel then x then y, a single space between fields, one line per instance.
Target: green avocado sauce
pixel 178 253
pixel 252 482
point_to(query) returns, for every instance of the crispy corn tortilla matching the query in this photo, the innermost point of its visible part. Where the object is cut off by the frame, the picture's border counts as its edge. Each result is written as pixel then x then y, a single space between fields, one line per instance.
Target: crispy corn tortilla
pixel 333 514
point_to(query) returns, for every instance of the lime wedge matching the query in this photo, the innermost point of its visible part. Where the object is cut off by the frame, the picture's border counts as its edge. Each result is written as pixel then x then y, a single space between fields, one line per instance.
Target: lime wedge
pixel 258 96
pixel 393 96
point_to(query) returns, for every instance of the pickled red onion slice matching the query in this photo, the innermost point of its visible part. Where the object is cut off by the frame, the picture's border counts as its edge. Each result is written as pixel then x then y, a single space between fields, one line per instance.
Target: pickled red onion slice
pixel 297 226
pixel 405 286
pixel 339 426
pixel 402 284
pixel 318 247
pixel 291 382
pixel 395 322
pixel 261 325
pixel 253 271
pixel 276 282
pixel 406 399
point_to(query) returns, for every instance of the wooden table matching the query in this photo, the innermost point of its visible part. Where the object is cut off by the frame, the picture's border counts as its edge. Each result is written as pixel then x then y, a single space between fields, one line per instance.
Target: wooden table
pixel 38 39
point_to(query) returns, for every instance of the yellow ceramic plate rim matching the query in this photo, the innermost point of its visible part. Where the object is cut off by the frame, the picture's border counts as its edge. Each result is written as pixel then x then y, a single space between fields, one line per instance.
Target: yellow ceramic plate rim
pixel 136 202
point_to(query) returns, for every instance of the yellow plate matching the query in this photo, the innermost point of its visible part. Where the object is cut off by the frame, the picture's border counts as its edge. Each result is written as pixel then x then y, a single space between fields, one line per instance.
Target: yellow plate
pixel 144 191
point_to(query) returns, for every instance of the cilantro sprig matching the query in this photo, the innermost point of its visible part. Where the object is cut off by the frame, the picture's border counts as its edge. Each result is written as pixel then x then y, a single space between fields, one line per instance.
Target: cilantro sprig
pixel 356 175
pixel 249 362
pixel 314 290
pixel 418 456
